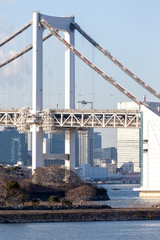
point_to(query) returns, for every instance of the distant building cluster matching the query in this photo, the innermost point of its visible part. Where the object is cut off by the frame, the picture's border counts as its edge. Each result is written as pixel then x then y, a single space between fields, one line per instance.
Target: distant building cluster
pixel 92 161
pixel 88 172
pixel 106 157
pixel 13 147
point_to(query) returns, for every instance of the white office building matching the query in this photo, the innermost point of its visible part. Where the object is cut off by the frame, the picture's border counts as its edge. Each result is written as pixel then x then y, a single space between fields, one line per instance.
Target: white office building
pixel 87 172
pixel 128 141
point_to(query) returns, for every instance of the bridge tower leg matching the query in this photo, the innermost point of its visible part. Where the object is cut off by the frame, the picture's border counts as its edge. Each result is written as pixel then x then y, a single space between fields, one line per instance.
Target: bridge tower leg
pixel 70 99
pixel 62 24
pixel 37 91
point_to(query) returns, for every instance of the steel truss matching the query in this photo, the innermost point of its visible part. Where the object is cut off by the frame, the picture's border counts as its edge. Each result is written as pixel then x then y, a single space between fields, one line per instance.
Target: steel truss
pixel 91 119
pixel 52 120
pixel 20 118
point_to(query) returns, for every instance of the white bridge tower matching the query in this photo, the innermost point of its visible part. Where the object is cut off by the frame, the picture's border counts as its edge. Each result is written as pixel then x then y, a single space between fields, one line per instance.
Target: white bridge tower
pixel 61 24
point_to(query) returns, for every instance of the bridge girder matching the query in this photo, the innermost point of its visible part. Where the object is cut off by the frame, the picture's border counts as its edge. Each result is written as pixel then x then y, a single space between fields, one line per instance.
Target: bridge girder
pixel 53 120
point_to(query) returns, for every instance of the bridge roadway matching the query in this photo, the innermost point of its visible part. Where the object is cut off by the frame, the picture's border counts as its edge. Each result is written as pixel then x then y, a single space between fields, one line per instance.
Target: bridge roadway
pixel 52 120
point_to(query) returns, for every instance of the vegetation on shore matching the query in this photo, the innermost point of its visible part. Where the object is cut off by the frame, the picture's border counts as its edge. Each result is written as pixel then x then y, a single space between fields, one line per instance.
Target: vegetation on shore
pixel 52 185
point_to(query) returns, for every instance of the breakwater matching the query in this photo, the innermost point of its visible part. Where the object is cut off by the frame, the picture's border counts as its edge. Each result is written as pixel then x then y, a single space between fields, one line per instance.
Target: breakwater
pixel 78 215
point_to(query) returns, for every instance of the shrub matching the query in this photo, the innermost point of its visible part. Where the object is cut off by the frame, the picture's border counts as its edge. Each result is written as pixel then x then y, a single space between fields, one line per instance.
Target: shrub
pixel 22 198
pixel 35 202
pixel 66 202
pixel 12 185
pixel 101 193
pixel 52 199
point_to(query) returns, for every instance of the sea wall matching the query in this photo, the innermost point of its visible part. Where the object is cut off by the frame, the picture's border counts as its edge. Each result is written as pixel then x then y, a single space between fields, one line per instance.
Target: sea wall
pixel 77 215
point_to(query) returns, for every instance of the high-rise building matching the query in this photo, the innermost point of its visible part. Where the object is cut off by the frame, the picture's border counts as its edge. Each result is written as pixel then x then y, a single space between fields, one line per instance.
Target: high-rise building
pixel 54 144
pixel 97 140
pixel 57 143
pixel 128 141
pixel 128 147
pixel 84 147
pixel 13 146
pixel 108 154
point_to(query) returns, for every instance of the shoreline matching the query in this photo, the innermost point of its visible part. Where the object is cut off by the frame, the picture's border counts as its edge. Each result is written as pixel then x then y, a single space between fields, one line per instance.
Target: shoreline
pixel 79 215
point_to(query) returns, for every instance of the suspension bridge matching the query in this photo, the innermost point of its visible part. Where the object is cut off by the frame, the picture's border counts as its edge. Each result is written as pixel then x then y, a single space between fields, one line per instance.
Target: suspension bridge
pixel 38 120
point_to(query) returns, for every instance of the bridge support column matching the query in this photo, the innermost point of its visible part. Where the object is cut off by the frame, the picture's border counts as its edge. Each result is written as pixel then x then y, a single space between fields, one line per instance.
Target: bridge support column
pixel 70 149
pixel 70 98
pixel 37 91
pixel 37 151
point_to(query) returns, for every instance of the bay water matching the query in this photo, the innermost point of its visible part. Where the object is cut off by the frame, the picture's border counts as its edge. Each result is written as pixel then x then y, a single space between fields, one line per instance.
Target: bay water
pixel 120 196
pixel 120 230
pixel 124 196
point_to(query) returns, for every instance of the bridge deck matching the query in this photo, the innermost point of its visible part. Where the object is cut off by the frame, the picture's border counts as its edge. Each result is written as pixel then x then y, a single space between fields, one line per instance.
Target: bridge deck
pixel 57 119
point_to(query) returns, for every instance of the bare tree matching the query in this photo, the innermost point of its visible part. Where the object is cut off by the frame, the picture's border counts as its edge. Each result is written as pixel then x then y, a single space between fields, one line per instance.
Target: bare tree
pixel 12 194
pixel 2 198
pixel 4 174
pixel 82 193
pixel 54 174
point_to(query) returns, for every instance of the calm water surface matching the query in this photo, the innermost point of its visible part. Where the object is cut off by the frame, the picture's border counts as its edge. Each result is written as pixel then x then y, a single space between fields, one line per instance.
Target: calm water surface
pixel 133 230
pixel 123 196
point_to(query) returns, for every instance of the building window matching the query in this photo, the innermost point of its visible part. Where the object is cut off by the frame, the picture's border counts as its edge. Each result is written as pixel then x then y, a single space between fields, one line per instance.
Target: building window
pixel 145 150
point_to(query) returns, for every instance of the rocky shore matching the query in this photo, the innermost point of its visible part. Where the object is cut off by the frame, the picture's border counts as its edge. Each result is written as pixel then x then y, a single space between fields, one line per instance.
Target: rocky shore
pixel 78 215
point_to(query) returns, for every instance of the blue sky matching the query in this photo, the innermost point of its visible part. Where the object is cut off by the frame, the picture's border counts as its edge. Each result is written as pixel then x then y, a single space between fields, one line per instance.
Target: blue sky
pixel 129 29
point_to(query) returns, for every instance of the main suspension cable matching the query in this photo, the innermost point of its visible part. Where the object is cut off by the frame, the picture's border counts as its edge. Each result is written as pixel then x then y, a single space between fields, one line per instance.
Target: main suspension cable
pixel 90 64
pixel 115 61
pixel 25 50
pixel 16 33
